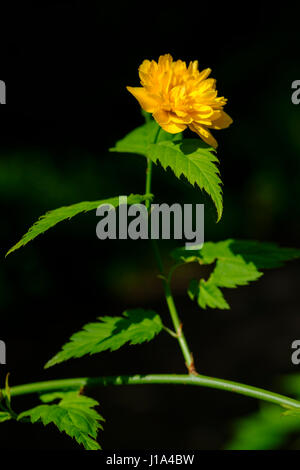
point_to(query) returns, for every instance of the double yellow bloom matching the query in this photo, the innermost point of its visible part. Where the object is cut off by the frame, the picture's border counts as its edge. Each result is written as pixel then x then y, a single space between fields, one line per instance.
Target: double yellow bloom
pixel 179 96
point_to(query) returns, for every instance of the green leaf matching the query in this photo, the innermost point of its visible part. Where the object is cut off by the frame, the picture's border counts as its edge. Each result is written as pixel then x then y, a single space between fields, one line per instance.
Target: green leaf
pixel 5 416
pixel 146 116
pixel 191 158
pixel 291 384
pixel 7 390
pixel 110 333
pixel 234 272
pixel 270 427
pixel 238 262
pixel 51 218
pixel 194 160
pixel 293 412
pixel 207 294
pixel 74 414
pixel 52 396
pixel 266 429
pixel 138 140
pixel 263 255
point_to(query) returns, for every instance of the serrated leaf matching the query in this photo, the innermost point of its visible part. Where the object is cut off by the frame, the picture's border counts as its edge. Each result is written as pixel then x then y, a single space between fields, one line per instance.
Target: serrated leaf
pixel 207 294
pixel 4 416
pixel 234 272
pixel 51 218
pixel 138 140
pixel 110 333
pixel 263 255
pixel 238 262
pixel 74 414
pixel 193 289
pixel 52 396
pixel 191 158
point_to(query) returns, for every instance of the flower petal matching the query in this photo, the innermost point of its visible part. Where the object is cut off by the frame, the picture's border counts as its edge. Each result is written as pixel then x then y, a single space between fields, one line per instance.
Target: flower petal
pixel 203 111
pixel 165 61
pixel 222 122
pixel 148 102
pixel 173 128
pixel 168 125
pixel 204 74
pixel 204 134
pixel 208 84
pixel 161 117
pixel 181 96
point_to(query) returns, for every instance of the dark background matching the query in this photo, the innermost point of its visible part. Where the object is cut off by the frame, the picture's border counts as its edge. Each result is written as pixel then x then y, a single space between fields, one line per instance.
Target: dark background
pixel 66 65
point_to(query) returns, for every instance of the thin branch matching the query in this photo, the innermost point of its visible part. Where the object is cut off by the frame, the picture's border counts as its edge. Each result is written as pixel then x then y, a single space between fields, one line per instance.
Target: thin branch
pixel 198 380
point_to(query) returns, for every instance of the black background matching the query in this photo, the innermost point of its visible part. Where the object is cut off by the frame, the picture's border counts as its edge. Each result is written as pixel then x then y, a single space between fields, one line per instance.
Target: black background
pixel 66 65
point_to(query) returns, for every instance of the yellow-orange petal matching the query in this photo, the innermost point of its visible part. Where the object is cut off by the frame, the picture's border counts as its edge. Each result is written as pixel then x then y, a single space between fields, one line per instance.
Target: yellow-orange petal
pixel 145 66
pixel 193 67
pixel 204 134
pixel 222 122
pixel 165 61
pixel 148 102
pixel 161 117
pixel 171 127
pixel 207 84
pixel 204 74
pixel 180 118
pixel 204 111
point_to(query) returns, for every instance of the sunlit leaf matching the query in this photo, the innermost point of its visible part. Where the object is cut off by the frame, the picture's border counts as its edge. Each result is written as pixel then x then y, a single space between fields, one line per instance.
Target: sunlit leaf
pixel 74 414
pixel 138 140
pixel 51 218
pixel 4 416
pixel 110 333
pixel 207 294
pixel 191 158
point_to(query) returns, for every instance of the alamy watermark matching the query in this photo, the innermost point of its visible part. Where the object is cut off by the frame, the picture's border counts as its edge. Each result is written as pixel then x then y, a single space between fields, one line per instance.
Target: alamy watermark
pixel 2 92
pixel 295 357
pixel 2 352
pixel 296 94
pixel 162 222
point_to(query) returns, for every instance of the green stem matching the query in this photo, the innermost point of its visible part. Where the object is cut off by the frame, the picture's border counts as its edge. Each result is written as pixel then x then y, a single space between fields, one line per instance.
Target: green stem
pixel 178 328
pixel 148 182
pixel 149 171
pixel 189 361
pixel 199 380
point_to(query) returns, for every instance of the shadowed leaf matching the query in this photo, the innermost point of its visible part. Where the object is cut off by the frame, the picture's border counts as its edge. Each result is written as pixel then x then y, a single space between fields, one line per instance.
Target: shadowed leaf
pixel 238 262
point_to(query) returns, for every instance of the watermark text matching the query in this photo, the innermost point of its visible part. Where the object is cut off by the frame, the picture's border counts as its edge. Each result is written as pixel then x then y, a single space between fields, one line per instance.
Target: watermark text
pixel 180 222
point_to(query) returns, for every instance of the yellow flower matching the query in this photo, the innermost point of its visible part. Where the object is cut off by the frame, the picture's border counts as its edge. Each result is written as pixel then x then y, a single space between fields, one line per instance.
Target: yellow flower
pixel 179 96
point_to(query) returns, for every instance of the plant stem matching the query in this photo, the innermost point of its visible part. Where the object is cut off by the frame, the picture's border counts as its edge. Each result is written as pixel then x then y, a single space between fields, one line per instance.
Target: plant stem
pixel 148 182
pixel 199 380
pixel 189 361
